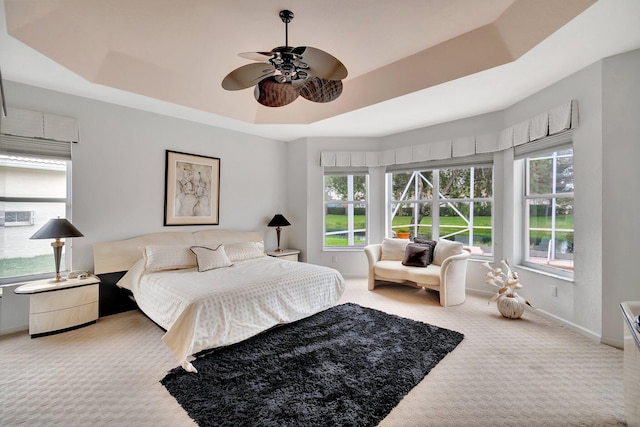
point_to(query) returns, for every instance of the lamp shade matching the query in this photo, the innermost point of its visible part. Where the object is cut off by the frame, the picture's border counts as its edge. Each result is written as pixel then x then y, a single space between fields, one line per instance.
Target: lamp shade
pixel 278 221
pixel 57 228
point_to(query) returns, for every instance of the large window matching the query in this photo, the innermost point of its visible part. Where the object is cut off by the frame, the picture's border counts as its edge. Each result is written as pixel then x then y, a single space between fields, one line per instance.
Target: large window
pixel 345 210
pixel 453 203
pixel 32 191
pixel 548 224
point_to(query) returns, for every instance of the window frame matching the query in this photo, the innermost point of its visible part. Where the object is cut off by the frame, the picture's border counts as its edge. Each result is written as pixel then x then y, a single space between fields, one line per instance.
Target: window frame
pixel 351 226
pixel 544 151
pixel 67 203
pixel 437 200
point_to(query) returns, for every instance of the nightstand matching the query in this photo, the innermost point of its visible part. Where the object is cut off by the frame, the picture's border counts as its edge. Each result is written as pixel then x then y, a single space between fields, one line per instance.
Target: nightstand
pixel 61 306
pixel 288 254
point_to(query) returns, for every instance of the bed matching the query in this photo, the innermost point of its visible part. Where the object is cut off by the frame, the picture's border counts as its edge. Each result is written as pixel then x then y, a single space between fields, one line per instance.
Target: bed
pixel 214 287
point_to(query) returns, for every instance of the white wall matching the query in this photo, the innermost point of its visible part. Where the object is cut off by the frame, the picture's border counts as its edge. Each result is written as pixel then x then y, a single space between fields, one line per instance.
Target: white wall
pixel 348 262
pixel 620 201
pixel 578 302
pixel 118 172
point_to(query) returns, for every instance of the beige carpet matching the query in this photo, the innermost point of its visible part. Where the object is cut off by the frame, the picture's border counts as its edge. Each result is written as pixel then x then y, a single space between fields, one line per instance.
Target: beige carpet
pixel 527 372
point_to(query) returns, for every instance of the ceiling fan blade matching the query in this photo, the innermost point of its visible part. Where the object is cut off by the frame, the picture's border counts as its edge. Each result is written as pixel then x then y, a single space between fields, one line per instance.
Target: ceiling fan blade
pixel 247 76
pixel 256 56
pixel 321 64
pixel 321 90
pixel 270 93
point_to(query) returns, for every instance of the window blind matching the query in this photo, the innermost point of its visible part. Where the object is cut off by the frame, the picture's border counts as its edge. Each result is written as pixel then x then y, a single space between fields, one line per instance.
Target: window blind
pixel 479 160
pixel 22 145
pixel 557 142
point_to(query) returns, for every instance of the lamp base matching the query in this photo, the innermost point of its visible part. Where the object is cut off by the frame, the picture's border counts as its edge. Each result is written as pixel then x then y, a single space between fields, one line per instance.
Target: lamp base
pixel 57 255
pixel 279 250
pixel 57 279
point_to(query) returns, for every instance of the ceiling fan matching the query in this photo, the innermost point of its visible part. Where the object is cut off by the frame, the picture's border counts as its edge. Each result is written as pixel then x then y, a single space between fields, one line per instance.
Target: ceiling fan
pixel 287 72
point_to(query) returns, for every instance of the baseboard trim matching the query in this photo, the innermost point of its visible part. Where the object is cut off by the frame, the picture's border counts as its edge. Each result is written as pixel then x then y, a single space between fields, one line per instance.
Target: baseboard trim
pixel 14 329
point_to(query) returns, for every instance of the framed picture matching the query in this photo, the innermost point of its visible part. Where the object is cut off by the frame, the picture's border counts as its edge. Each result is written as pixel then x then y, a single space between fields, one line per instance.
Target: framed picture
pixel 191 189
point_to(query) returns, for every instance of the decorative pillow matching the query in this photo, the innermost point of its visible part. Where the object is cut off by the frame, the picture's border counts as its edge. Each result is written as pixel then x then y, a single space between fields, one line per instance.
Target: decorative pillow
pixel 244 250
pixel 167 257
pixel 209 258
pixel 132 276
pixel 431 244
pixel 393 249
pixel 445 249
pixel 416 255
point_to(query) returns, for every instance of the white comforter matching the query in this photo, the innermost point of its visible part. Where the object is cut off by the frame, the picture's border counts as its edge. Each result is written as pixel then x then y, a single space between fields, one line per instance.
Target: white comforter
pixel 227 305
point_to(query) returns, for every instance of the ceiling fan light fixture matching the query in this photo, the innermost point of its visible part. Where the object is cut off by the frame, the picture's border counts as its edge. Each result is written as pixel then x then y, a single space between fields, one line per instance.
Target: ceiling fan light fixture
pixel 286 72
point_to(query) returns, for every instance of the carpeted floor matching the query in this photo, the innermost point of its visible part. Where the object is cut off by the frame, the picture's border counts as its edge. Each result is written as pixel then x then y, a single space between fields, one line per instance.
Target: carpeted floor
pixel 528 372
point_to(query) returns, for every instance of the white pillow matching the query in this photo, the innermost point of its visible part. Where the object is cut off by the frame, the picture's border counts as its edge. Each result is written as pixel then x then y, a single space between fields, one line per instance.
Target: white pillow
pixel 244 250
pixel 393 249
pixel 132 276
pixel 210 258
pixel 444 249
pixel 167 257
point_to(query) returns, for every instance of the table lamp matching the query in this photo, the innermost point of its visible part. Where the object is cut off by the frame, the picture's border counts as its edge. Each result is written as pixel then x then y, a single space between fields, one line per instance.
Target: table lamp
pixel 57 228
pixel 278 221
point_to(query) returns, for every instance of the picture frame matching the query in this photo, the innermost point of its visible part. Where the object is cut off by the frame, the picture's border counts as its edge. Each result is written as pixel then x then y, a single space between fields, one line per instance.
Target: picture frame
pixel 191 189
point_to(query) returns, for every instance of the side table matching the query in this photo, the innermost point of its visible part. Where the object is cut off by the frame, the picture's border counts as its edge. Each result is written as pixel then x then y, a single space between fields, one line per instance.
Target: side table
pixel 61 306
pixel 288 254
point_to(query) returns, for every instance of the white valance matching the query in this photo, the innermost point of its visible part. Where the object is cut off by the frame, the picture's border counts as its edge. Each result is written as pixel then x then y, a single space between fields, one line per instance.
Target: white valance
pixel 521 133
pixel 487 143
pixel 34 124
pixel 421 153
pixel 404 155
pixel 539 126
pixel 343 159
pixel 552 122
pixel 358 159
pixel 32 133
pixel 464 146
pixel 387 157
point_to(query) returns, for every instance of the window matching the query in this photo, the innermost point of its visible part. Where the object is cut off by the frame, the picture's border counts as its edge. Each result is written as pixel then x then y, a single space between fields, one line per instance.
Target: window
pixel 32 191
pixel 548 225
pixel 453 203
pixel 345 210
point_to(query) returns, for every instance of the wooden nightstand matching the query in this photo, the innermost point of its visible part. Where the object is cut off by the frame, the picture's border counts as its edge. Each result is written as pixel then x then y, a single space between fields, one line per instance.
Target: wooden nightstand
pixel 60 306
pixel 288 254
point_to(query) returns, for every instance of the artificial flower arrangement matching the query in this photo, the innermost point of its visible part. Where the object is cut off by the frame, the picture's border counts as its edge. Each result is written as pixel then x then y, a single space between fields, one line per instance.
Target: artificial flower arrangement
pixel 510 304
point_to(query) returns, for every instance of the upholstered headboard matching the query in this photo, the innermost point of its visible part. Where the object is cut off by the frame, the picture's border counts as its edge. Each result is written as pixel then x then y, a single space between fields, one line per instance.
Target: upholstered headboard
pixel 120 255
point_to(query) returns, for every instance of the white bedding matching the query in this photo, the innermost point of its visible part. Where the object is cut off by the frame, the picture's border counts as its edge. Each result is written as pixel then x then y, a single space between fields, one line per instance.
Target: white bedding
pixel 224 306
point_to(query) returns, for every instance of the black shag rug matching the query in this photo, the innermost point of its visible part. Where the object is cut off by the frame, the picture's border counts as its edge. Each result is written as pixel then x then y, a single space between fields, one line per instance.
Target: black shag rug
pixel 345 366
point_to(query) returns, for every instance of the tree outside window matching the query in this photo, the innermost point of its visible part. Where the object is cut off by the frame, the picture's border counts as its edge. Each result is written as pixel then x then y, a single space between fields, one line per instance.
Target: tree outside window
pixel 345 205
pixel 451 203
pixel 549 210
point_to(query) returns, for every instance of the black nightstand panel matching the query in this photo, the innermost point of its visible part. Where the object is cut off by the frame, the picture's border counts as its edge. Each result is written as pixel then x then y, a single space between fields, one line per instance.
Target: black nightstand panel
pixel 113 299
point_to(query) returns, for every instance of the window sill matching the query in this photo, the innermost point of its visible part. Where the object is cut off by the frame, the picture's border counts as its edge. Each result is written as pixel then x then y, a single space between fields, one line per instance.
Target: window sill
pixel 344 249
pixel 546 273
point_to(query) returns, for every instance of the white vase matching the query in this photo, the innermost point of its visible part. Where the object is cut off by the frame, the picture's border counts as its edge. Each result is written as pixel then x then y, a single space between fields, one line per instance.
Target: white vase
pixel 510 306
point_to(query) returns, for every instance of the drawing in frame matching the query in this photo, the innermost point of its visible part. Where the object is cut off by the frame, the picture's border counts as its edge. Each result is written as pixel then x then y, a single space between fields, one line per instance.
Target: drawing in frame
pixel 191 189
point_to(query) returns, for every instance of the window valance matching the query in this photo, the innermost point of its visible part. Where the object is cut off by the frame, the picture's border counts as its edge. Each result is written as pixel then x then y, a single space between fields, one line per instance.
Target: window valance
pixel 545 124
pixel 36 133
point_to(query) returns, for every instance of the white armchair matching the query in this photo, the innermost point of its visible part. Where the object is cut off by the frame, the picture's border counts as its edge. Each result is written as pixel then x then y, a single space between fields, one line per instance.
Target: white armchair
pixel 446 274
